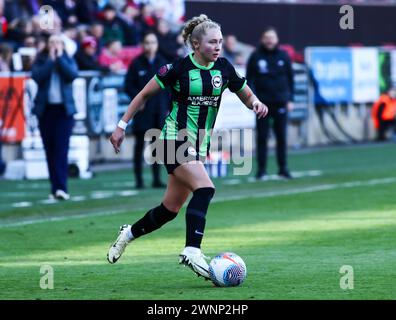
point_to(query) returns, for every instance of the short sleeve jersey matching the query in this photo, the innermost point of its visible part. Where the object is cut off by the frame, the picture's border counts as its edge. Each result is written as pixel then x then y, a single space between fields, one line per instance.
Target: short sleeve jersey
pixel 196 95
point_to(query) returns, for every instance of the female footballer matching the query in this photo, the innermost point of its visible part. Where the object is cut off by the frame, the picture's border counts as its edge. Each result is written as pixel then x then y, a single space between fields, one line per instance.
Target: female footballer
pixel 197 83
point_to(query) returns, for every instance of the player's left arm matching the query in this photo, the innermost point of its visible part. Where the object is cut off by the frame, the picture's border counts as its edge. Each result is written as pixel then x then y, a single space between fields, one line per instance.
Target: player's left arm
pixel 250 100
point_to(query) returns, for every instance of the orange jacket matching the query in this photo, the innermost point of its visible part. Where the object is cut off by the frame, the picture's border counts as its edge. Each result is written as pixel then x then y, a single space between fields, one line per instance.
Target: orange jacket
pixel 389 111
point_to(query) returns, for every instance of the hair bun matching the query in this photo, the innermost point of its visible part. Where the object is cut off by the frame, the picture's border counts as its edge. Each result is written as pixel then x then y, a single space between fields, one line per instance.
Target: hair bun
pixel 193 23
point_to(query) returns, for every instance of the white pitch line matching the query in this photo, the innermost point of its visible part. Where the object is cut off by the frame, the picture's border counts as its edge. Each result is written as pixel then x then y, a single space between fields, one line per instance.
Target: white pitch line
pixel 78 198
pixel 323 187
pixel 62 218
pixel 95 195
pixel 48 201
pixel 295 174
pixel 317 188
pixel 127 193
pixel 23 204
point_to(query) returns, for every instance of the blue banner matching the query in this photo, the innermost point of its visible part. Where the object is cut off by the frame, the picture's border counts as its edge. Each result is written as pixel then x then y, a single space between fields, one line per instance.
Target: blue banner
pixel 331 72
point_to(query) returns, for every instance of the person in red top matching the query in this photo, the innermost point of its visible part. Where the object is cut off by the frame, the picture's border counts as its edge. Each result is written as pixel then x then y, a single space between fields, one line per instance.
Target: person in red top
pixel 117 57
pixel 384 112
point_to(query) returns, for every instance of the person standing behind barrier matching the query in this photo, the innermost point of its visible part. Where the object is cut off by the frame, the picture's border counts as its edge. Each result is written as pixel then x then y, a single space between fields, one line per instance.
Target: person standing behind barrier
pixel 270 75
pixel 54 72
pixel 153 114
pixel 383 113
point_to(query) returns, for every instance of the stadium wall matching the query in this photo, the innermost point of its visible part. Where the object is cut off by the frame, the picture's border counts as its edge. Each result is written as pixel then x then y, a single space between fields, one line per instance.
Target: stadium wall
pixel 300 25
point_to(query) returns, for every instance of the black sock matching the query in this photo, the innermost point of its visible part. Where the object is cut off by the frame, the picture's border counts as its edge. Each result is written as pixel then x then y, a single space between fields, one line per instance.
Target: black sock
pixel 152 220
pixel 195 216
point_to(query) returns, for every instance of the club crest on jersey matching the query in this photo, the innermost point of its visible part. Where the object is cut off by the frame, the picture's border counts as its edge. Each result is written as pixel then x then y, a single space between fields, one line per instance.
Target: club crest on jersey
pixel 217 82
pixel 164 69
pixel 192 151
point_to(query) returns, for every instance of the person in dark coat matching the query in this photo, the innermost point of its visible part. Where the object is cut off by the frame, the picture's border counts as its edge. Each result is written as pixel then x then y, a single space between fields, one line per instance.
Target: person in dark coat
pixel 153 115
pixel 168 45
pixel 114 26
pixel 54 72
pixel 270 75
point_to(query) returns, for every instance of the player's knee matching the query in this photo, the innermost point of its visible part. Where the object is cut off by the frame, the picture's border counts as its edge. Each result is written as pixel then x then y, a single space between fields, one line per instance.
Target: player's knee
pixel 204 184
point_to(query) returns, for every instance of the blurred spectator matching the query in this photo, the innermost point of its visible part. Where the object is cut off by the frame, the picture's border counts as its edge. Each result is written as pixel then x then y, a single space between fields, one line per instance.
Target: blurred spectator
pixel 5 57
pixel 168 43
pixel 171 10
pixel 65 10
pixel 383 113
pixel 270 75
pixel 111 57
pixel 153 115
pixel 85 11
pixel 37 30
pixel 86 56
pixel 82 32
pixel 132 27
pixel 21 9
pixel 230 50
pixel 30 42
pixel 3 26
pixel 41 43
pixel 183 49
pixel 54 71
pixel 18 29
pixel 116 57
pixel 97 31
pixel 147 19
pixel 117 4
pixel 28 52
pixel 71 32
pixel 294 55
pixel 70 45
pixel 113 26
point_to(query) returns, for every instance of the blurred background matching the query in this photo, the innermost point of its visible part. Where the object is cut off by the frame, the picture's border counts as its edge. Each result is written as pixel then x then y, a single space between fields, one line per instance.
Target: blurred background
pixel 339 74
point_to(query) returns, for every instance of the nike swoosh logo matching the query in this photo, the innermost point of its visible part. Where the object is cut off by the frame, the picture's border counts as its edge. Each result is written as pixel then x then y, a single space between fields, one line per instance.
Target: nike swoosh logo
pixel 194 79
pixel 197 232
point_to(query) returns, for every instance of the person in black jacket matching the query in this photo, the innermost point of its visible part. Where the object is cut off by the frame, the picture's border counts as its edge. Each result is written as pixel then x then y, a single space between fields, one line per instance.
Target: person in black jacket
pixel 270 75
pixel 54 72
pixel 153 114
pixel 168 45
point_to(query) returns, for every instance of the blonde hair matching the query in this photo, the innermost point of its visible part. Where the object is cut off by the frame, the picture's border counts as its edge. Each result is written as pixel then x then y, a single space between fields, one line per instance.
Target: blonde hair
pixel 196 27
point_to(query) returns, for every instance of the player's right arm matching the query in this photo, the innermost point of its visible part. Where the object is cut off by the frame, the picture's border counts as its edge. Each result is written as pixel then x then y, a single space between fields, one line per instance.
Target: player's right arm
pixel 150 89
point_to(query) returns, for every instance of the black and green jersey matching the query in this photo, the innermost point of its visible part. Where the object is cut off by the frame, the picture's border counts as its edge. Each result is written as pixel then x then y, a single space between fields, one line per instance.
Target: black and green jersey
pixel 196 94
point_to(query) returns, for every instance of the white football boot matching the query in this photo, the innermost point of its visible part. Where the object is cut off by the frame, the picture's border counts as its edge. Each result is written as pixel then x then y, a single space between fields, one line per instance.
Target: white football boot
pixel 118 247
pixel 62 195
pixel 195 259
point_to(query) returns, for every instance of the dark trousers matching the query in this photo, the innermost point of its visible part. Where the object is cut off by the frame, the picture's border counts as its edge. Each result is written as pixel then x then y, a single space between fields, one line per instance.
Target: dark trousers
pixel 138 160
pixel 384 126
pixel 55 129
pixel 278 114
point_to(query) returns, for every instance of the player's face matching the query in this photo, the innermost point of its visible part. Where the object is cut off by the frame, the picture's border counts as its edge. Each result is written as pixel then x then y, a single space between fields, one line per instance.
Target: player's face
pixel 270 40
pixel 211 44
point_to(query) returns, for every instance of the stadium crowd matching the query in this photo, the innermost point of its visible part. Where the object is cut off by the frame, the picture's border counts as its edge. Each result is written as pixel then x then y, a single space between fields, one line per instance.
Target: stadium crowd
pixel 100 35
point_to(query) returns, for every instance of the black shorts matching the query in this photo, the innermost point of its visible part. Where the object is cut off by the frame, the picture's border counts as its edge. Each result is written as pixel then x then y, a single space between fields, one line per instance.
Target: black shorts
pixel 173 153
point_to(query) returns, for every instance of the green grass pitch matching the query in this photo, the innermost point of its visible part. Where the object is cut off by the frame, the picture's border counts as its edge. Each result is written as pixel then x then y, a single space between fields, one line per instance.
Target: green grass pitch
pixel 293 235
